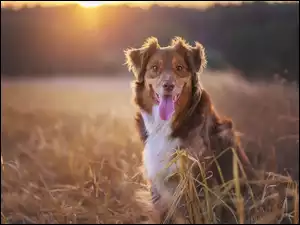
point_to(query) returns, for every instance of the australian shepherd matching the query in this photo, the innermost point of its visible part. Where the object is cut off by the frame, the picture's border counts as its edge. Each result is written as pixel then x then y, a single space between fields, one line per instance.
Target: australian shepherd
pixel 175 112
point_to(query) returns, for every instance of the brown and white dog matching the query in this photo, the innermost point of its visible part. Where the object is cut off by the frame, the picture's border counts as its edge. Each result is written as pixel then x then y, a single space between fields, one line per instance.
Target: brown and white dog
pixel 174 111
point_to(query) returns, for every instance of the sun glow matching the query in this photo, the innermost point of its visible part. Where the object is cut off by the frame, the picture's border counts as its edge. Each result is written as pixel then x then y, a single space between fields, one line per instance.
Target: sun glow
pixel 92 4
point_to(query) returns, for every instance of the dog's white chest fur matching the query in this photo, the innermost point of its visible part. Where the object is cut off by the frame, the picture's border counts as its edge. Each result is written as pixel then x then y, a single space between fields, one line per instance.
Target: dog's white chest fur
pixel 158 147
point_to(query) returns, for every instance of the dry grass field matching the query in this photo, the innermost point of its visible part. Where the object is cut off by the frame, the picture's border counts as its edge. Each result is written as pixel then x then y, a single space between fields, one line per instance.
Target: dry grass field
pixel 71 154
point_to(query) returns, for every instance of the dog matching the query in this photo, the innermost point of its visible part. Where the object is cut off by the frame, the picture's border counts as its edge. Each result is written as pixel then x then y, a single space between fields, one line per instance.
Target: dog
pixel 175 112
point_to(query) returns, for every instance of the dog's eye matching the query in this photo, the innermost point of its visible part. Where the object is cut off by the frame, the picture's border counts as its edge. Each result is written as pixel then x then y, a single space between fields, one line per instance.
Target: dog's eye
pixel 154 68
pixel 179 68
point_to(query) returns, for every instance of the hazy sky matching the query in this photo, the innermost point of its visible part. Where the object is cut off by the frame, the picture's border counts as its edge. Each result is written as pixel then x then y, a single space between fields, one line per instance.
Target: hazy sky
pixel 95 3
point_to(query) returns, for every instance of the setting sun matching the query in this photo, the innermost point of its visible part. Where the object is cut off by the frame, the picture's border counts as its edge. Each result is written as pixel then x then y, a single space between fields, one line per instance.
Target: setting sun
pixel 90 4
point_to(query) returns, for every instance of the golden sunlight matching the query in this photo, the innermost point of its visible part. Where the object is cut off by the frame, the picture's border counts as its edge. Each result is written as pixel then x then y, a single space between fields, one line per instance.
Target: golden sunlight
pixel 94 4
pixel 91 4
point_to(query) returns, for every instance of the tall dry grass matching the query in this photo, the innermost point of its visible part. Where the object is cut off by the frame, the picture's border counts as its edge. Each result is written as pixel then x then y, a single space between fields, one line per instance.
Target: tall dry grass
pixel 64 169
pixel 71 155
pixel 270 198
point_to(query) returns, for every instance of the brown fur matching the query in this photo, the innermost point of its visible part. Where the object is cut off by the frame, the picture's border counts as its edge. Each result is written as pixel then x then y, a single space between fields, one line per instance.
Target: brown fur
pixel 196 122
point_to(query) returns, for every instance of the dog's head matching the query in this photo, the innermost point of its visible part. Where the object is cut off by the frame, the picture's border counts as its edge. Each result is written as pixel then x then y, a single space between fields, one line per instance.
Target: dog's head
pixel 165 76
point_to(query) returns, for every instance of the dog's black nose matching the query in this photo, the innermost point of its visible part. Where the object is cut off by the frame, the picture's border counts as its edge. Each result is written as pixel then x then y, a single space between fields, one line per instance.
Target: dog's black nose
pixel 168 86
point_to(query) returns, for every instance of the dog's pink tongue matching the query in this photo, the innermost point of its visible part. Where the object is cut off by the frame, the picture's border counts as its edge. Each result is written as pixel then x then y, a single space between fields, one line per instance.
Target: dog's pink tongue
pixel 166 107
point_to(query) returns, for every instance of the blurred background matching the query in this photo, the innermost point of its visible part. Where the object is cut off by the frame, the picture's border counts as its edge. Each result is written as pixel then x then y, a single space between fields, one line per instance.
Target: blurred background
pixel 259 39
pixel 69 146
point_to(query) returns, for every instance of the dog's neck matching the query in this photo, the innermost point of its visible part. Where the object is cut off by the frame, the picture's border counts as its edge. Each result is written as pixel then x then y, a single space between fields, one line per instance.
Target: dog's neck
pixel 159 147
pixel 154 123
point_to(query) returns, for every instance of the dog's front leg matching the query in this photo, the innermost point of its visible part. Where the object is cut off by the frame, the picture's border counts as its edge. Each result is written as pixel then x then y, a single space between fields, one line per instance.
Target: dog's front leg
pixel 157 203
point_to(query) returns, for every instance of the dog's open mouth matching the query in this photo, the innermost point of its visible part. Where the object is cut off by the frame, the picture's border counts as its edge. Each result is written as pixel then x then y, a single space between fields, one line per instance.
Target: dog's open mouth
pixel 166 105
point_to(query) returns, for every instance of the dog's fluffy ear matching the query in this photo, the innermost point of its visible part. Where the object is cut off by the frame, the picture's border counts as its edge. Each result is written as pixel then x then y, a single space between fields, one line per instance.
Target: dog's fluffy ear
pixel 195 56
pixel 199 57
pixel 137 59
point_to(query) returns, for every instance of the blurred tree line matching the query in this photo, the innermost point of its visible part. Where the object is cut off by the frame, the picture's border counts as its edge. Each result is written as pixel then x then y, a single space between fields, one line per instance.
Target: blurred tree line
pixel 258 39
